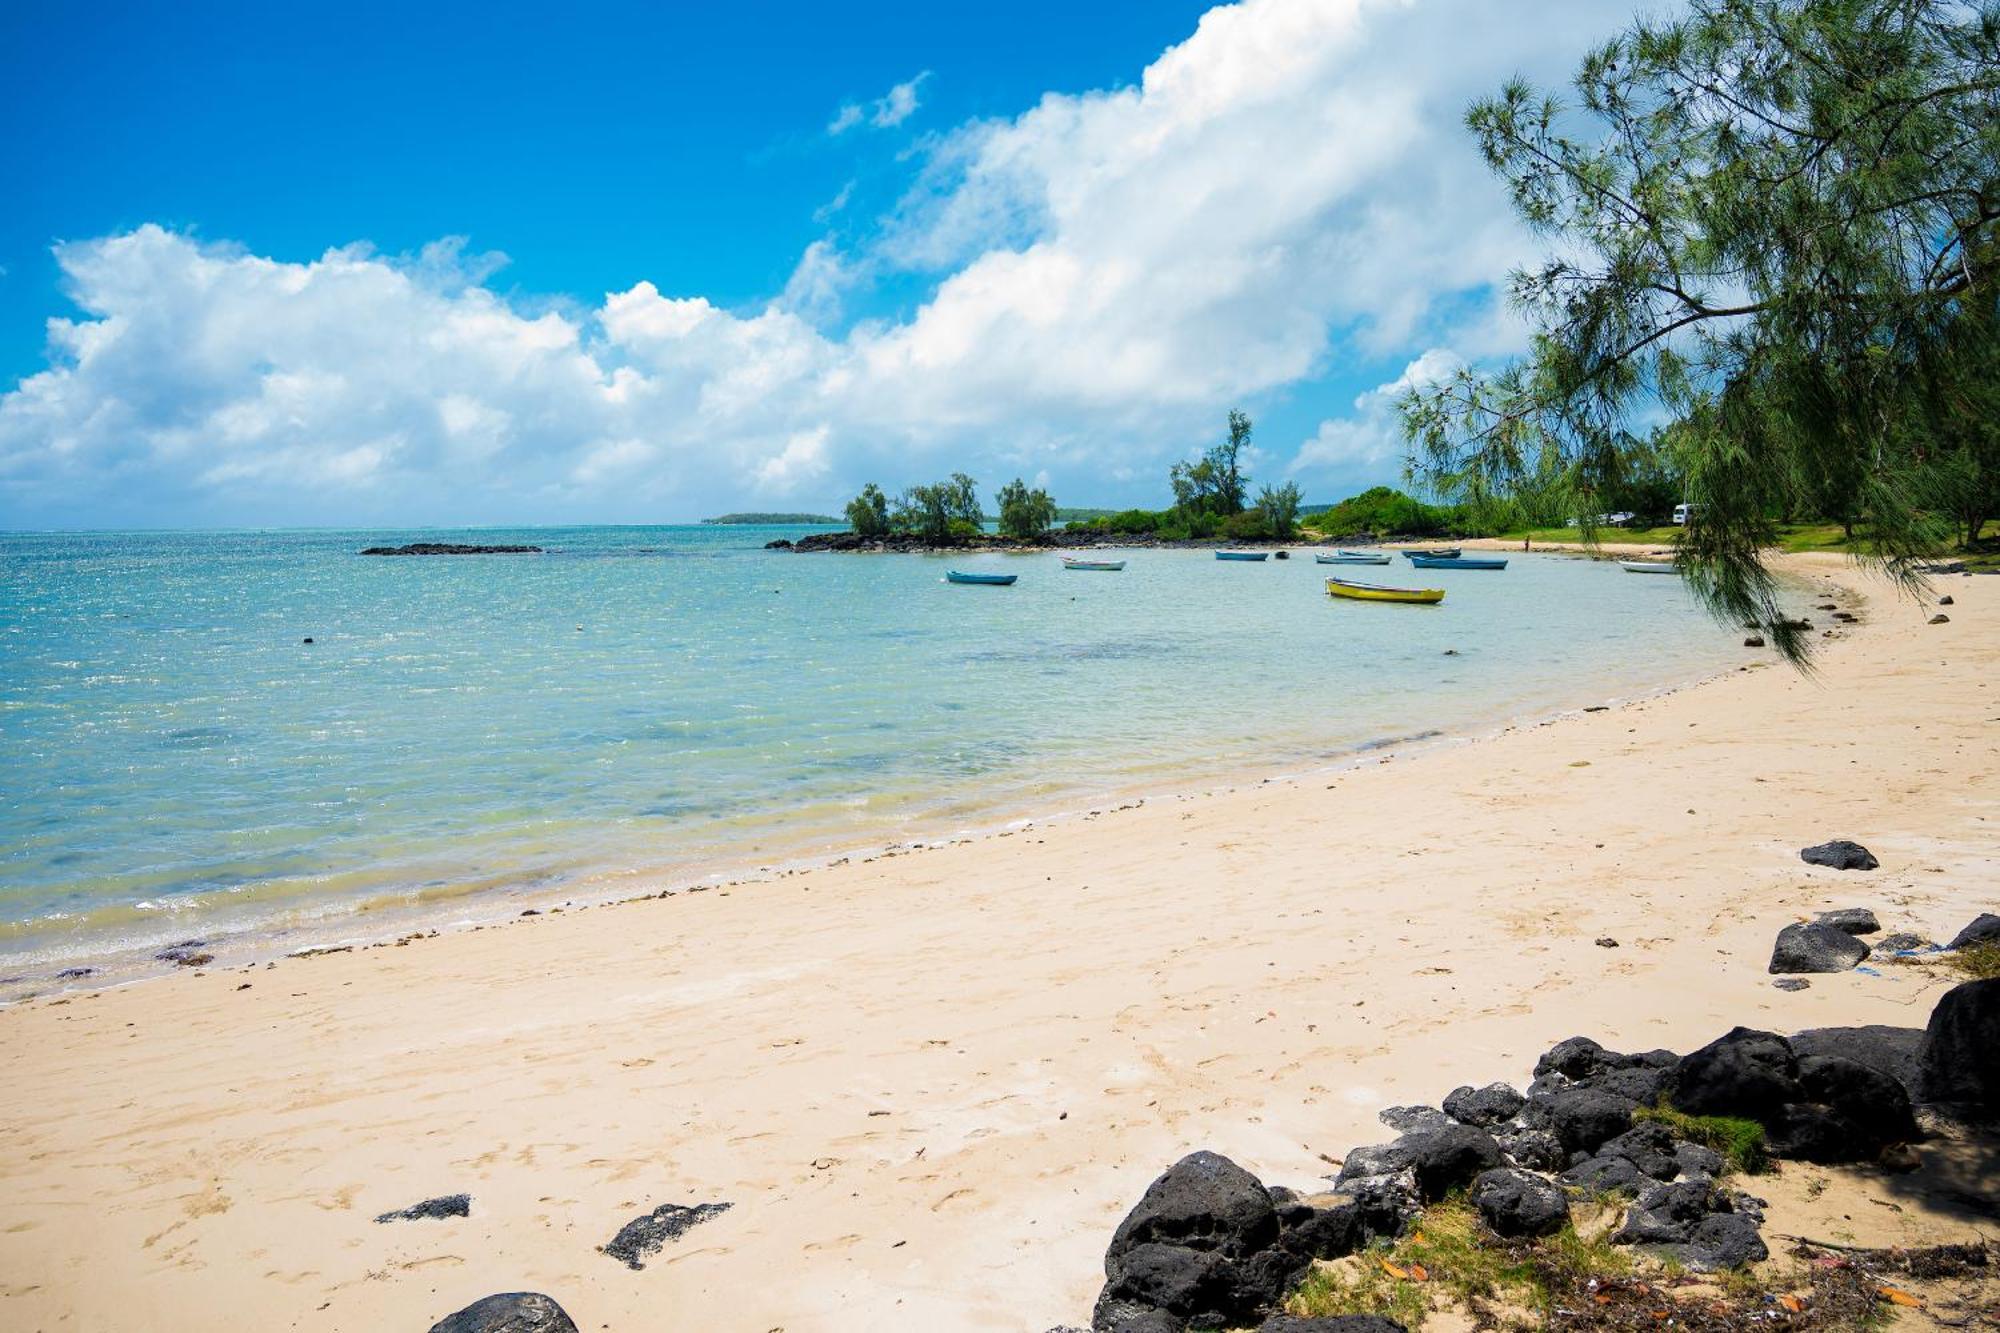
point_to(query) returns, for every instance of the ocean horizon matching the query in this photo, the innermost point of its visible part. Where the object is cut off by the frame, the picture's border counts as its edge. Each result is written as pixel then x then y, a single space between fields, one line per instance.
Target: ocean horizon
pixel 640 708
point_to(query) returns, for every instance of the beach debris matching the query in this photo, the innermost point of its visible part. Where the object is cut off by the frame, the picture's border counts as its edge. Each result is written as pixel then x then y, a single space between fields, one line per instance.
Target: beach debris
pixel 1945 600
pixel 1337 1323
pixel 1983 929
pixel 1753 641
pixel 1840 854
pixel 1807 946
pixel 1852 920
pixel 1494 1104
pixel 511 1312
pixel 1940 619
pixel 1519 1203
pixel 1606 942
pixel 75 973
pixel 445 1205
pixel 644 1235
pixel 1955 1062
pixel 1792 983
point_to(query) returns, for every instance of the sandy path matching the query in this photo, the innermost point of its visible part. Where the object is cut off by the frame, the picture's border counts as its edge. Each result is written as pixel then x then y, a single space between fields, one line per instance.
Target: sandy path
pixel 931 1084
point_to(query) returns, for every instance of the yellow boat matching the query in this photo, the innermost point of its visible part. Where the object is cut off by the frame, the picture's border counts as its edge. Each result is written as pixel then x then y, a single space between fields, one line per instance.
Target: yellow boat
pixel 1375 592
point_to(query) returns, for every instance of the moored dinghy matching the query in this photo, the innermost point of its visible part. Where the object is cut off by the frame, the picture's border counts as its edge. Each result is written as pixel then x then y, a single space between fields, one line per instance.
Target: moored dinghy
pixel 1458 562
pixel 1106 566
pixel 1350 558
pixel 1441 553
pixel 1242 555
pixel 1647 566
pixel 1375 592
pixel 985 580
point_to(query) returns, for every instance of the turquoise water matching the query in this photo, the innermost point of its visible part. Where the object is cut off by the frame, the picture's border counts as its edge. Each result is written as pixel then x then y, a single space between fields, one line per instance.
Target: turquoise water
pixel 642 706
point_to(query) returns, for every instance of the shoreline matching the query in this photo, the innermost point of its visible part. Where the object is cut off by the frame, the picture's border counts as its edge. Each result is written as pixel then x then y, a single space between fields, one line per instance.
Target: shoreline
pixel 382 918
pixel 430 916
pixel 931 1085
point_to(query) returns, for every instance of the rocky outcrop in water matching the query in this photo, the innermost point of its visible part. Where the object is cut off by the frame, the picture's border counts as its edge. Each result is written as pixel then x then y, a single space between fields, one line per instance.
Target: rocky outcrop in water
pixel 451 548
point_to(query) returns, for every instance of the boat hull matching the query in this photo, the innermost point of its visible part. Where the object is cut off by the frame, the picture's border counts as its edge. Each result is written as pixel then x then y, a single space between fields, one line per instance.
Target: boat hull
pixel 1456 562
pixel 1648 566
pixel 1442 553
pixel 1343 558
pixel 1375 592
pixel 1242 555
pixel 981 580
pixel 1095 566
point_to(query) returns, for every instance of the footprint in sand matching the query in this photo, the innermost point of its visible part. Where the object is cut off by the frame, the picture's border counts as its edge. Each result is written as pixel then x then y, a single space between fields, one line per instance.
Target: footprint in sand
pixel 955 1194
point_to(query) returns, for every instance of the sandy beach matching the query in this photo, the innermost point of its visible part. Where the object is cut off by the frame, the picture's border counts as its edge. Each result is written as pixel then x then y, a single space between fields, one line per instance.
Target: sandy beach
pixel 931 1083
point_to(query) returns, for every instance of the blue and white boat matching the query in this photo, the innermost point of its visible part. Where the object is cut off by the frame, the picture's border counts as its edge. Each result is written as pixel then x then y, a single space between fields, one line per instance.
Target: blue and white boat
pixel 1350 558
pixel 1242 555
pixel 1458 562
pixel 987 580
pixel 1101 566
pixel 1441 553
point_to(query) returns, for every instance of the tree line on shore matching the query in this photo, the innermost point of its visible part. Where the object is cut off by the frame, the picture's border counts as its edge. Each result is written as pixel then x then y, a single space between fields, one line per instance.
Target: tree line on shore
pixel 1211 499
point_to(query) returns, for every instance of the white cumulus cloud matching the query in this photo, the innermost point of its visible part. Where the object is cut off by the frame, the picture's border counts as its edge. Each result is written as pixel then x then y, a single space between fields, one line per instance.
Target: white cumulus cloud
pixel 1287 197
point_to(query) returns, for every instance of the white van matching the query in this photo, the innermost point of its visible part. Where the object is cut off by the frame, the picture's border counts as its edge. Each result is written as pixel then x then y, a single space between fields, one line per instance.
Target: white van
pixel 1681 513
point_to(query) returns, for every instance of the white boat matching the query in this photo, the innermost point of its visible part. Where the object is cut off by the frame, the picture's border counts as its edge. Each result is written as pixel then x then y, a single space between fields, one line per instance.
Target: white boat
pixel 1078 562
pixel 1350 558
pixel 1648 566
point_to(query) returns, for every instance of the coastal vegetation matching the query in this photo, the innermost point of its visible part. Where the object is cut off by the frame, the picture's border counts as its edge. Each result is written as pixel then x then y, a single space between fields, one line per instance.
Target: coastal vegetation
pixel 1776 223
pixel 1211 500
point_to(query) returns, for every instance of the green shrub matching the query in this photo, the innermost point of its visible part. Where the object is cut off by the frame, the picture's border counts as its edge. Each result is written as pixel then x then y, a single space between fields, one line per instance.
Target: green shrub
pixel 1384 510
pixel 1248 526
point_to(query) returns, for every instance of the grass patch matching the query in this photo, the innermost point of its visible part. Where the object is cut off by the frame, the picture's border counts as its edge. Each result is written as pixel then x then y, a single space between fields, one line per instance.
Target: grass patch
pixel 1440 1260
pixel 1978 961
pixel 1741 1142
pixel 1448 1260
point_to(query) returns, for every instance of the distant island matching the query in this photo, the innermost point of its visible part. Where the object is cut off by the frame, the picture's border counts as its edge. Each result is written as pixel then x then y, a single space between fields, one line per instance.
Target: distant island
pixel 772 518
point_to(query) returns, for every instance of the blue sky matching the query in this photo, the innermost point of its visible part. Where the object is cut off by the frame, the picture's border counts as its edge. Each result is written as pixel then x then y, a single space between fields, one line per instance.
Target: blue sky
pixel 372 264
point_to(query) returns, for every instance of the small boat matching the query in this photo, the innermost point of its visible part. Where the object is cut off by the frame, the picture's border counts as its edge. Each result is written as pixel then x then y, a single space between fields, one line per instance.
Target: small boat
pixel 1350 558
pixel 1458 562
pixel 1442 553
pixel 1077 562
pixel 1648 566
pixel 1375 592
pixel 1242 555
pixel 988 580
pixel 1383 556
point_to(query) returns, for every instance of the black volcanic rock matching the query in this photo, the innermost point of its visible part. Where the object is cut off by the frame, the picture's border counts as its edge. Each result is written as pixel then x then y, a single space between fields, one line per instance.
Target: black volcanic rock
pixel 514 1312
pixel 445 1205
pixel 1840 854
pixel 644 1235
